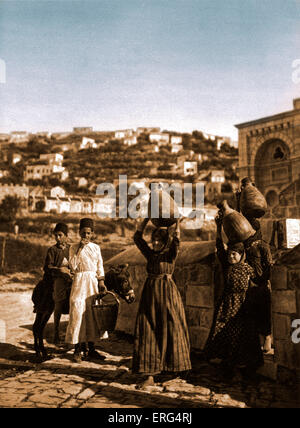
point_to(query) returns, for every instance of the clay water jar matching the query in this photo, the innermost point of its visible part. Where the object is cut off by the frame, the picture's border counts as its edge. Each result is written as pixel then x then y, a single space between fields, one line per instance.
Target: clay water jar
pixel 252 202
pixel 166 216
pixel 236 227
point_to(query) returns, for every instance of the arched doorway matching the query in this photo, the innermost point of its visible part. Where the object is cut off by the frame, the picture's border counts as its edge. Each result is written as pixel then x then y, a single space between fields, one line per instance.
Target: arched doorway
pixel 273 167
pixel 272 198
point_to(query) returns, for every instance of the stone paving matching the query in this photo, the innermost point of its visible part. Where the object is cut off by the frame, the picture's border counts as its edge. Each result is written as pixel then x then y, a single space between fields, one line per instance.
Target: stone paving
pixel 59 383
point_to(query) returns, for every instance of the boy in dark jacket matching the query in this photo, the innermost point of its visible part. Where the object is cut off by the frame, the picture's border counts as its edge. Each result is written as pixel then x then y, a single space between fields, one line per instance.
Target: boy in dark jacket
pixel 52 292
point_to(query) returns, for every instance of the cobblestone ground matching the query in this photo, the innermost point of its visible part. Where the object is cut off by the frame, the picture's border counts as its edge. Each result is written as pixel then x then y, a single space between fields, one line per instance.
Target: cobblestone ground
pixel 58 382
pixel 109 384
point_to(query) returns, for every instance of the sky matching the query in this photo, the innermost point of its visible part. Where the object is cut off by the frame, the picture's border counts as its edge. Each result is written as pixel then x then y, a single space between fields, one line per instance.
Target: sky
pixel 177 64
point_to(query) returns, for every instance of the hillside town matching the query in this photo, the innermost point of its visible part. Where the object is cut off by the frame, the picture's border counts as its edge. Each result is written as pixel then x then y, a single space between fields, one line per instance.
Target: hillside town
pixel 59 173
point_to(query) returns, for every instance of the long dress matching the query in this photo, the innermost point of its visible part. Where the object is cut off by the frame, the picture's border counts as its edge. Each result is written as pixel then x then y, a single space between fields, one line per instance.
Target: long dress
pixel 86 265
pixel 234 335
pixel 161 334
pixel 259 257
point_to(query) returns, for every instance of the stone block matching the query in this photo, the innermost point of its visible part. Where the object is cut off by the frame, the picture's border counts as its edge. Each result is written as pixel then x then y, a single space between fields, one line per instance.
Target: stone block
pixel 202 296
pixel 298 303
pixel 201 275
pixel 193 316
pixel 279 277
pixel 293 212
pixel 294 279
pixel 286 354
pixel 281 326
pixel 181 276
pixel 198 337
pixel 284 302
pixel 269 369
pixel 206 318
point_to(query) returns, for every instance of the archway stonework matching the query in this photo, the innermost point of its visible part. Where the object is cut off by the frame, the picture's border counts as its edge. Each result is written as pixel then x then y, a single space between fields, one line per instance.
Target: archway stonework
pixel 253 135
pixel 269 137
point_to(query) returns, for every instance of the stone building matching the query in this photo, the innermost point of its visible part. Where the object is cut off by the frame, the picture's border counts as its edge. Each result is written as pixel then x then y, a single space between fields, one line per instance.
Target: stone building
pixel 269 151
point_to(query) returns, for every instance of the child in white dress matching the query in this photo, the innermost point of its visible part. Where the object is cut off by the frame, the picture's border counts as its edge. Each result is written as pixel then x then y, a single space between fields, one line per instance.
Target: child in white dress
pixel 87 265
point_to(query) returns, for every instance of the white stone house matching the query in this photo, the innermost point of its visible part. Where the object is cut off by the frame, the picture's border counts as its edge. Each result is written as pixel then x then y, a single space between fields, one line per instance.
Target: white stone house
pixel 88 143
pixel 130 141
pixel 159 137
pixel 176 139
pixel 190 168
pixel 176 148
pixel 125 133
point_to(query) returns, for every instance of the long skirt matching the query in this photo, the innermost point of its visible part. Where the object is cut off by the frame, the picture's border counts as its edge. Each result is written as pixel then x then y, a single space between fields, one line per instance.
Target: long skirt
pixel 161 333
pixel 234 339
pixel 82 324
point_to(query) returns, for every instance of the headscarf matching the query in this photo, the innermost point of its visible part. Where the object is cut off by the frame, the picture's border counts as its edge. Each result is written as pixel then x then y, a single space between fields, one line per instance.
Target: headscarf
pixel 61 227
pixel 163 235
pixel 236 246
pixel 86 222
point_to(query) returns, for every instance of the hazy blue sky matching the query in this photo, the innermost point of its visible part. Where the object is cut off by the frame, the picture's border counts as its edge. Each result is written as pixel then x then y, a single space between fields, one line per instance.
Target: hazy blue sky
pixel 177 64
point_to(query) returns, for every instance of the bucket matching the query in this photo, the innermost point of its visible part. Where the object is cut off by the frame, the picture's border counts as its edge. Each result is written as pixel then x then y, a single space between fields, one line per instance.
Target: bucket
pixel 106 312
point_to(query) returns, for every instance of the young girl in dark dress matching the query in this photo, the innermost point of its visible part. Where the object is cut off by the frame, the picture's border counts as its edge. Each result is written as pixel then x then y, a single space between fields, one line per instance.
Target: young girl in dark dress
pixel 161 335
pixel 234 337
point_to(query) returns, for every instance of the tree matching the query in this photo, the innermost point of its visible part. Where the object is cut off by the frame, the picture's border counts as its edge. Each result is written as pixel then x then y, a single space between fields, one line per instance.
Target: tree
pixel 9 208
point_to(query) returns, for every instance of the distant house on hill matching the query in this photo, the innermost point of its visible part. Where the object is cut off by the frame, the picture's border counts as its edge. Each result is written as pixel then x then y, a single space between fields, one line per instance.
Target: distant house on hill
pixel 21 192
pixel 130 141
pixel 16 158
pixel 83 129
pixel 60 135
pixel 81 181
pixel 88 143
pixel 176 139
pixel 159 137
pixel 125 133
pixel 49 164
pixel 147 130
pixel 52 158
pixel 18 137
pixel 176 148
pixel 217 176
pixel 190 168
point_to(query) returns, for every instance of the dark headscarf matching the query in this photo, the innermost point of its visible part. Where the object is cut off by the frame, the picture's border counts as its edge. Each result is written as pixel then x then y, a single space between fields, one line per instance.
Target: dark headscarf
pixel 163 235
pixel 86 222
pixel 61 227
pixel 236 246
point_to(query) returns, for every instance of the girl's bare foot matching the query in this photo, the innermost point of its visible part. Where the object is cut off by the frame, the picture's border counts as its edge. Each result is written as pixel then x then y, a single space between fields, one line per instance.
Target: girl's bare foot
pixel 267 347
pixel 149 381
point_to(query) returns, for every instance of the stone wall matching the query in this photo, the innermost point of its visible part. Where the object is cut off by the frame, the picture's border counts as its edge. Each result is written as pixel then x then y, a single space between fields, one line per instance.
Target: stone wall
pixel 194 276
pixel 285 308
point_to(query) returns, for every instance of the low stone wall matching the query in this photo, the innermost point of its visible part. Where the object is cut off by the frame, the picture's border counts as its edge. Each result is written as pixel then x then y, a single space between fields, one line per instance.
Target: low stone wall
pixel 195 278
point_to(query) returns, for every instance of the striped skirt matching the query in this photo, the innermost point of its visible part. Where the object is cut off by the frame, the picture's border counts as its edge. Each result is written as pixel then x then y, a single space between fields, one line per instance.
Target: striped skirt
pixel 161 333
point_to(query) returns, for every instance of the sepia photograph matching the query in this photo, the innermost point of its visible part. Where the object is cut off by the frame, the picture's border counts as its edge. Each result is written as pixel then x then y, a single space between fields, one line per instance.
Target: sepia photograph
pixel 149 206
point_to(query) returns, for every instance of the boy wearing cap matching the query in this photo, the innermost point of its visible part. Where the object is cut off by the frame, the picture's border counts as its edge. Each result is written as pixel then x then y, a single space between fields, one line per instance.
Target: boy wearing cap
pixel 52 292
pixel 87 265
pixel 62 276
